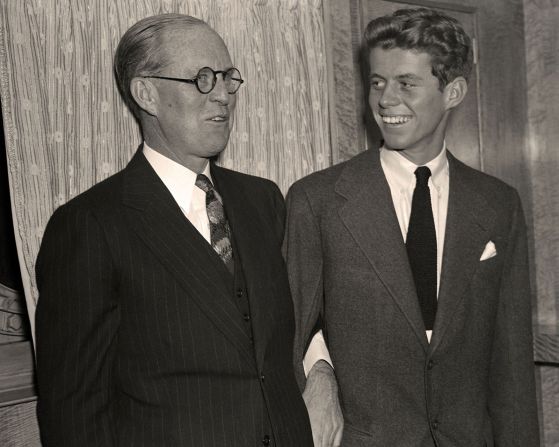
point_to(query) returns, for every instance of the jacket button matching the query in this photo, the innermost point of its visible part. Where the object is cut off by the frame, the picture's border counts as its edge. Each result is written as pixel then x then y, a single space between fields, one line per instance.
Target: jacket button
pixel 430 364
pixel 262 377
pixel 435 425
pixel 246 317
pixel 266 440
pixel 239 293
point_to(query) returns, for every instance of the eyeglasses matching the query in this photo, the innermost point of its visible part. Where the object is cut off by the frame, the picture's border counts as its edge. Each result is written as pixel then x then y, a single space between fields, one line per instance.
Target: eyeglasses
pixel 206 79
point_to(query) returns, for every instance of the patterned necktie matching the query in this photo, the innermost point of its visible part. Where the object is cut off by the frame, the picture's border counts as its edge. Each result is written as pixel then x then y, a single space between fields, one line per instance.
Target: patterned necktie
pixel 421 245
pixel 220 233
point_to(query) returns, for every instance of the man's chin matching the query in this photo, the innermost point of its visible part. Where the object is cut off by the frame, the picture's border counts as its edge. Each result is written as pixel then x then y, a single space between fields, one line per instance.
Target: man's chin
pixel 215 151
pixel 393 145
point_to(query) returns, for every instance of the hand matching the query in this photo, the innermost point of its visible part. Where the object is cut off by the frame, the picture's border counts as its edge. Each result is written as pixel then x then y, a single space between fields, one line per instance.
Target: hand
pixel 323 406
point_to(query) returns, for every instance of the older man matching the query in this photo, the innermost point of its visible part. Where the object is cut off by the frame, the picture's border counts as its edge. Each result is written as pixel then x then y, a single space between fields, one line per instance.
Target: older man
pixel 164 316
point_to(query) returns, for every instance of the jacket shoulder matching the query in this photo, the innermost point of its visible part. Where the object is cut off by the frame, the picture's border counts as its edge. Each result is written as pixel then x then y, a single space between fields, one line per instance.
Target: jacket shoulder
pixel 323 182
pixel 251 183
pixel 497 193
pixel 98 203
pixel 102 195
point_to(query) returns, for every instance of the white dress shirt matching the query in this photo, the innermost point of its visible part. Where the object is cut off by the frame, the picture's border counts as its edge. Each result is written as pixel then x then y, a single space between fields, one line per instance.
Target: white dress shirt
pixel 180 181
pixel 400 174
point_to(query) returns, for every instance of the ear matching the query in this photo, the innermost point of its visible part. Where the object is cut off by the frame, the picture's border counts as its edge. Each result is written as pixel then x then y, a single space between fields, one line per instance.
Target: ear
pixel 455 92
pixel 145 94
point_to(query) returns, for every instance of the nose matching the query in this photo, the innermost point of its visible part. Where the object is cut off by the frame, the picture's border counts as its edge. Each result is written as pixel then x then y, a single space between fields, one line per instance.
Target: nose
pixel 219 93
pixel 389 96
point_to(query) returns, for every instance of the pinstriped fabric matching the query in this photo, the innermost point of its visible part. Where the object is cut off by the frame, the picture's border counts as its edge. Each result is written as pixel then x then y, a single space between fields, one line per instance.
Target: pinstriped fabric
pixel 79 247
pixel 58 94
pixel 139 340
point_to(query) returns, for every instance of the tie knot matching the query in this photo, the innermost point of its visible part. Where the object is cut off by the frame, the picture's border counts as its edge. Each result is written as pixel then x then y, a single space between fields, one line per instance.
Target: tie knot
pixel 204 183
pixel 422 175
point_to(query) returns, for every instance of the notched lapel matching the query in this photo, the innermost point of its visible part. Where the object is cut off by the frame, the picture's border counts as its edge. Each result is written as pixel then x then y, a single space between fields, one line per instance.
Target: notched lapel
pixel 370 217
pixel 468 227
pixel 158 221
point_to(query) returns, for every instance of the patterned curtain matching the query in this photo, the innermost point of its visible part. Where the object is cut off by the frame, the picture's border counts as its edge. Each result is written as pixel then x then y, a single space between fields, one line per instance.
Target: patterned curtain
pixel 67 128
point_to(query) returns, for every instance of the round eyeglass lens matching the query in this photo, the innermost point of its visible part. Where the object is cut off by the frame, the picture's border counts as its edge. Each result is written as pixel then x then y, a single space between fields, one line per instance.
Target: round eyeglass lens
pixel 232 78
pixel 205 80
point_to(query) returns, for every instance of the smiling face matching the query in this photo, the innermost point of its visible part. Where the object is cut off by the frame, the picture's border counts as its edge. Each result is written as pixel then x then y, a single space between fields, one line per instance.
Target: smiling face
pixel 407 103
pixel 182 123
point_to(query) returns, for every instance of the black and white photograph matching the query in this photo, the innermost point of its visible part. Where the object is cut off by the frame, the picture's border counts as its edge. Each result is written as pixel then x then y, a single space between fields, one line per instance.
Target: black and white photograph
pixel 288 223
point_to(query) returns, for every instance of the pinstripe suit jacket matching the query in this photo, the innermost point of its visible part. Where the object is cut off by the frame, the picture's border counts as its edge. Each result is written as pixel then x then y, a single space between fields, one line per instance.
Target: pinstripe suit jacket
pixel 139 341
pixel 473 385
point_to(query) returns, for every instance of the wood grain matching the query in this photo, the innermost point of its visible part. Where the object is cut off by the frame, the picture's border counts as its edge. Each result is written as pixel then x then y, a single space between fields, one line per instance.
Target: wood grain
pixel 346 102
pixel 463 136
pixel 518 102
pixel 18 426
pixel 542 56
pixel 541 21
pixel 17 382
pixel 546 349
pixel 548 376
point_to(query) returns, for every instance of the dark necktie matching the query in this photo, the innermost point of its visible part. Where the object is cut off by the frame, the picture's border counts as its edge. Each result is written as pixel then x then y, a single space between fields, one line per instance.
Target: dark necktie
pixel 421 245
pixel 220 233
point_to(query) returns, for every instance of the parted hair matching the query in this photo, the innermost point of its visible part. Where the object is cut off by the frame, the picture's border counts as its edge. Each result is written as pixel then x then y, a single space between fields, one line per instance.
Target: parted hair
pixel 428 31
pixel 140 52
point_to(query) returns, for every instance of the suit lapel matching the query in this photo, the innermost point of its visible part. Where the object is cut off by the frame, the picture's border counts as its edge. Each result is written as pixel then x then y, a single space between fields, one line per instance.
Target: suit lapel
pixel 369 216
pixel 469 220
pixel 249 233
pixel 158 221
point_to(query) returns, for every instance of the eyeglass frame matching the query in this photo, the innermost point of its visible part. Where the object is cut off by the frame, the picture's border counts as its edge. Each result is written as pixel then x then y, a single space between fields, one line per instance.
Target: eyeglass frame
pixel 194 80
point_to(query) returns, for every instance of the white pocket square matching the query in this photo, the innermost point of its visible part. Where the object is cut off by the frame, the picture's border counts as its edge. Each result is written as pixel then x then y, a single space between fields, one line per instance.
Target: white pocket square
pixel 489 251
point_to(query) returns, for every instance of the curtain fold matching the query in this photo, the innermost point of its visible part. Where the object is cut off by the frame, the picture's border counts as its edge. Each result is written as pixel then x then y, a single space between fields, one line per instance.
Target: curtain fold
pixel 67 128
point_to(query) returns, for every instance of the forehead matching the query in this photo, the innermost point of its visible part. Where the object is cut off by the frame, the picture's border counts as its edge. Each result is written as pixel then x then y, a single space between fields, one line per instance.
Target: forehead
pixel 190 48
pixel 399 62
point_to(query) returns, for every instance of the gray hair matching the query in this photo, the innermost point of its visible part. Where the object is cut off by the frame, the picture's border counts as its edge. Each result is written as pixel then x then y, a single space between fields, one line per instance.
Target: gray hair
pixel 139 50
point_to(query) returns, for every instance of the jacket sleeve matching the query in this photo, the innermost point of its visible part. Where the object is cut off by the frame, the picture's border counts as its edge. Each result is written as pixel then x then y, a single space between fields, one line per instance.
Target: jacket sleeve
pixel 76 323
pixel 278 203
pixel 304 258
pixel 512 397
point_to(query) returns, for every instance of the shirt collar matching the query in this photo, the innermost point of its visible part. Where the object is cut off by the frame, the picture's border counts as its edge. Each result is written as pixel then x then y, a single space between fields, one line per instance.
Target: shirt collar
pixel 178 179
pixel 401 171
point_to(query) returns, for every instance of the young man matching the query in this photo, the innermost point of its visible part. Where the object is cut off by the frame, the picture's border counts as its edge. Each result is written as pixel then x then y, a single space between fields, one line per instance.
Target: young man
pixel 417 266
pixel 164 316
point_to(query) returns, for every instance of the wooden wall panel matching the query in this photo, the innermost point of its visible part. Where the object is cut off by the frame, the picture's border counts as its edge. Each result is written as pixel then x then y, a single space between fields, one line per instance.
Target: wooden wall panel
pixel 541 22
pixel 519 102
pixel 542 55
pixel 346 103
pixel 549 420
pixel 18 426
pixel 67 128
pixel 502 83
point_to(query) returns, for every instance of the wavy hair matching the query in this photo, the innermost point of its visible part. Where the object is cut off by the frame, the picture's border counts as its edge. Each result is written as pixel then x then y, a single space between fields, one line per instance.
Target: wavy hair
pixel 428 31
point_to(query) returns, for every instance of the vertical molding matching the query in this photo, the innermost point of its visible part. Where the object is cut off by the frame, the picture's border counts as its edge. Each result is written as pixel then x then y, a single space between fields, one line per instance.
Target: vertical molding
pixel 346 104
pixel 542 62
pixel 541 20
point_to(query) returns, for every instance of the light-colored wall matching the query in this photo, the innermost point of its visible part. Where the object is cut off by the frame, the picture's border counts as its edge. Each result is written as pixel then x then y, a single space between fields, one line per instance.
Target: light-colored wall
pixel 67 128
